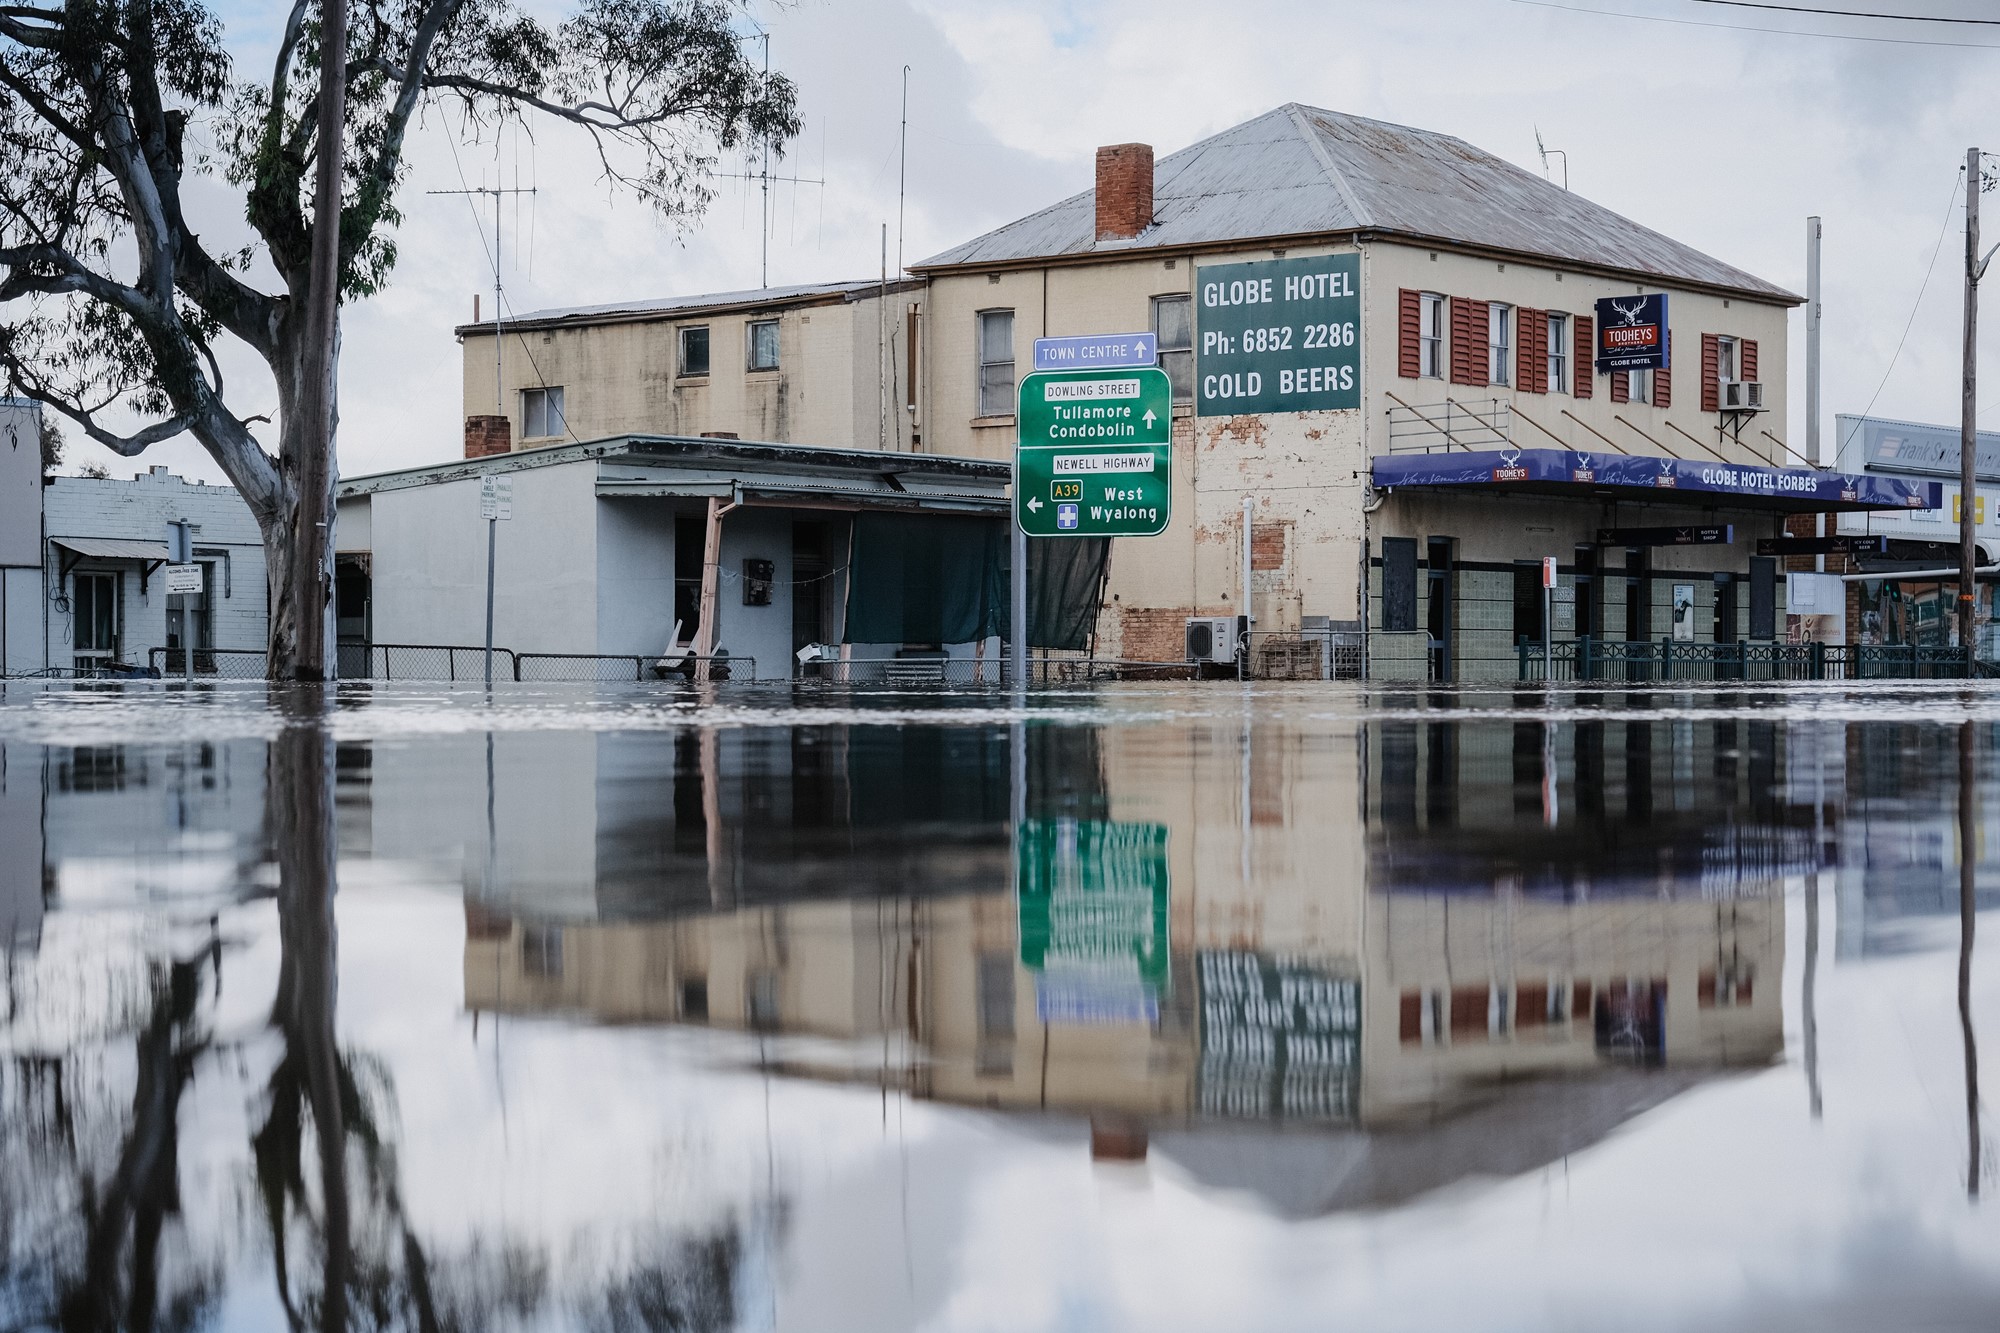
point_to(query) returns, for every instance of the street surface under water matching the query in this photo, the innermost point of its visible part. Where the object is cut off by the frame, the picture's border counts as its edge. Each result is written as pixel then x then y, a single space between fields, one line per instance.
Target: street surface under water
pixel 1145 1007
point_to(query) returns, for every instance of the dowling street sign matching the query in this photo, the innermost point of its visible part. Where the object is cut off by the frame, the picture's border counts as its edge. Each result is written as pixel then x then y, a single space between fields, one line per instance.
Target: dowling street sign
pixel 1094 458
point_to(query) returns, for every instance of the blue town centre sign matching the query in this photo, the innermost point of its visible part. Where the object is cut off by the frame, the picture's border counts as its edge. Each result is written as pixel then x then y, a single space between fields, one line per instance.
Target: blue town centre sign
pixel 1572 471
pixel 1097 351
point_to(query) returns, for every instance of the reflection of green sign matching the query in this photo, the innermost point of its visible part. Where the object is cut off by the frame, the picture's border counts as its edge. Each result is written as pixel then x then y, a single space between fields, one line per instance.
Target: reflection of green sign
pixel 1093 459
pixel 1279 1038
pixel 1278 335
pixel 1093 900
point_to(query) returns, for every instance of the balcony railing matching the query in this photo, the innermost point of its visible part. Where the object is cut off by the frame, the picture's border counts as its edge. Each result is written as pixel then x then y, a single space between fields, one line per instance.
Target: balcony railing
pixel 1430 428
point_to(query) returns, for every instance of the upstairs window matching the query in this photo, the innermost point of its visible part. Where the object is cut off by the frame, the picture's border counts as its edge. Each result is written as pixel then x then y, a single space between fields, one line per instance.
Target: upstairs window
pixel 996 363
pixel 1639 386
pixel 542 413
pixel 1558 353
pixel 1499 344
pixel 1173 325
pixel 1430 336
pixel 1725 359
pixel 694 350
pixel 763 335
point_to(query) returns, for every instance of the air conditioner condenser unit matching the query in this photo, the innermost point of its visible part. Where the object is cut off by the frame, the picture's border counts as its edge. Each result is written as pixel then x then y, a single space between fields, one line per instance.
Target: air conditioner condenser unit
pixel 1211 639
pixel 1742 395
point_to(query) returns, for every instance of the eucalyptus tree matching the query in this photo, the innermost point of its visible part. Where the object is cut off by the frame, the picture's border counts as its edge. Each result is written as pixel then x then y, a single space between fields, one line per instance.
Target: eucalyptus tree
pixel 113 309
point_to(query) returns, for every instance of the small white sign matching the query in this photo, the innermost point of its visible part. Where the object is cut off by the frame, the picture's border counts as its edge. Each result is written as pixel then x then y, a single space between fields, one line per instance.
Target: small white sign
pixel 496 497
pixel 1078 463
pixel 184 579
pixel 1071 391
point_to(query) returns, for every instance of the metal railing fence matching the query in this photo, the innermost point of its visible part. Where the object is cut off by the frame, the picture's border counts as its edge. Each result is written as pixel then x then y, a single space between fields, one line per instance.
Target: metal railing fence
pixel 1613 661
pixel 612 668
pixel 1305 654
pixel 213 663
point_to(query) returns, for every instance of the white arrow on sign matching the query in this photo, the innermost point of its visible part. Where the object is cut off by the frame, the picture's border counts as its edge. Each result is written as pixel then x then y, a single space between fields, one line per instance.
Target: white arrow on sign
pixel 1034 503
pixel 1149 418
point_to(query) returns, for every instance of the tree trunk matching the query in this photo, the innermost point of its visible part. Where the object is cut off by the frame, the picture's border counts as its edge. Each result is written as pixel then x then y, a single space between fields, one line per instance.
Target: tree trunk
pixel 291 538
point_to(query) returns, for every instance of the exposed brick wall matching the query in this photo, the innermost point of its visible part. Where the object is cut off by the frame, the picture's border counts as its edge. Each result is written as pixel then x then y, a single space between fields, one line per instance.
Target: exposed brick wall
pixel 488 435
pixel 1267 545
pixel 1159 633
pixel 1124 190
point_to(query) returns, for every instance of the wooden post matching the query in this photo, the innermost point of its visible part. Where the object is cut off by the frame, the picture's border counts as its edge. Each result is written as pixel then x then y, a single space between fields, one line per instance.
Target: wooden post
pixel 711 578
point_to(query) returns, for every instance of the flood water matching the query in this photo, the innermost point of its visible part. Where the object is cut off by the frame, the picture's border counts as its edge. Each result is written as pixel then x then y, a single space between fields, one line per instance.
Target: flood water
pixel 1143 1007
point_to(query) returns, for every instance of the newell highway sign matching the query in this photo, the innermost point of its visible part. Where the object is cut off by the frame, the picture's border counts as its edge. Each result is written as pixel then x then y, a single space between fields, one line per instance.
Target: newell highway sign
pixel 1095 458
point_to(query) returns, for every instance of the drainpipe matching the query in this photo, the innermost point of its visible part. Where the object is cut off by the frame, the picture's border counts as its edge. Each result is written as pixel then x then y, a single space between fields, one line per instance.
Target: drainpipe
pixel 1243 655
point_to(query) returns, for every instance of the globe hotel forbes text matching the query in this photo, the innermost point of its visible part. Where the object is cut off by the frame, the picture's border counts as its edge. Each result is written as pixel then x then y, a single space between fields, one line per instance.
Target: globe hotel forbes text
pixel 1278 335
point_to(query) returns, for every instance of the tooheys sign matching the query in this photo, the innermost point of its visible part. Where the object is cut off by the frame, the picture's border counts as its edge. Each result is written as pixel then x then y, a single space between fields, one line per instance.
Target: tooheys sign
pixel 1632 333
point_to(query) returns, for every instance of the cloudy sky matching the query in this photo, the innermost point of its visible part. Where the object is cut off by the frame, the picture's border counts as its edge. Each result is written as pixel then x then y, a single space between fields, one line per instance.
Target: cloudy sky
pixel 1722 125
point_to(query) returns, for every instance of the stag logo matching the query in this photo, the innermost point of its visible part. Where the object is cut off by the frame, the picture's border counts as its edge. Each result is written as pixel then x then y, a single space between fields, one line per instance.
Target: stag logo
pixel 1630 311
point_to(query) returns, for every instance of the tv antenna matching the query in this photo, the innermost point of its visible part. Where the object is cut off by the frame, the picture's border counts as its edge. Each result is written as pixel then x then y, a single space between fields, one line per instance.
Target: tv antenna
pixel 763 175
pixel 496 193
pixel 1547 153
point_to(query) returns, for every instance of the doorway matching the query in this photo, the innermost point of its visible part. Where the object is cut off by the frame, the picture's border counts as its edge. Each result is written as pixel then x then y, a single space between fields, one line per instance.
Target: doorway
pixel 1439 584
pixel 95 603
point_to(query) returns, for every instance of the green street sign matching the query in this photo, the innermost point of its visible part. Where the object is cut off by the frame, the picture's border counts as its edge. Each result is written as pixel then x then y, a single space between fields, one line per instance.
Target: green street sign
pixel 1092 897
pixel 1095 456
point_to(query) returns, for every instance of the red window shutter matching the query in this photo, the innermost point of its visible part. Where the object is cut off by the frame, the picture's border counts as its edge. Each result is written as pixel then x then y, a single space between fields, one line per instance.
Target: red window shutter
pixel 1409 320
pixel 1468 341
pixel 1746 353
pixel 1711 373
pixel 1621 387
pixel 1663 379
pixel 1532 333
pixel 1583 366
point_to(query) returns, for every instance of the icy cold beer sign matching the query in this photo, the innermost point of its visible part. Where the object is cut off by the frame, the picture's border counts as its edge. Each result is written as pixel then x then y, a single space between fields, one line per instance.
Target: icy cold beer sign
pixel 1094 457
pixel 1278 335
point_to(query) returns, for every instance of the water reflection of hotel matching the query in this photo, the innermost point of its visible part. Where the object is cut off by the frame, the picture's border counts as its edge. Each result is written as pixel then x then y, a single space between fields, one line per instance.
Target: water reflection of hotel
pixel 1326 969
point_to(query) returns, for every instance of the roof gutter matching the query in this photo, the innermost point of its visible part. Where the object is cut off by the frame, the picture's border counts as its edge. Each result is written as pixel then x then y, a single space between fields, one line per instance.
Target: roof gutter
pixel 1218 249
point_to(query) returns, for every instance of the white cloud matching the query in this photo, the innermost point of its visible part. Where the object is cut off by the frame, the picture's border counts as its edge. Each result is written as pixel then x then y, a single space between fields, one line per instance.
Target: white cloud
pixel 1727 140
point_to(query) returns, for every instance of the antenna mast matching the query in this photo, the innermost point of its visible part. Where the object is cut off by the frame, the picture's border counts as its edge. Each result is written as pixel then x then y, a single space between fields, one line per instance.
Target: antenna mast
pixel 499 392
pixel 763 177
pixel 1547 153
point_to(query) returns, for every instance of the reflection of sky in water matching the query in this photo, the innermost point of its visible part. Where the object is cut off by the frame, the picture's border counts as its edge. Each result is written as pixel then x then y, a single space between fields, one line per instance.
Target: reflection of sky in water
pixel 1389 893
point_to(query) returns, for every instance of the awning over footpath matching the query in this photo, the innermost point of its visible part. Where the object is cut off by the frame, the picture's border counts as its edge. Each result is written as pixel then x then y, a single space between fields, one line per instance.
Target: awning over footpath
pixel 1576 474
pixel 112 548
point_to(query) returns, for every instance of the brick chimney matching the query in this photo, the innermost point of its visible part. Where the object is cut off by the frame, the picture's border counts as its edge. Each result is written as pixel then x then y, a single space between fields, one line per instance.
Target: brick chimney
pixel 485 436
pixel 1124 190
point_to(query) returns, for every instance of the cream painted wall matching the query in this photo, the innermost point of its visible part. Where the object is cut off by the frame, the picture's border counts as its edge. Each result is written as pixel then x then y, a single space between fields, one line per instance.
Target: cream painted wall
pixel 1388 268
pixel 1306 472
pixel 624 378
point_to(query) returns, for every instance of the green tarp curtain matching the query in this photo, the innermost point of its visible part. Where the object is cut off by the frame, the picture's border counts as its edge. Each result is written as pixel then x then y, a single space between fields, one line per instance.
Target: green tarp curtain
pixel 922 578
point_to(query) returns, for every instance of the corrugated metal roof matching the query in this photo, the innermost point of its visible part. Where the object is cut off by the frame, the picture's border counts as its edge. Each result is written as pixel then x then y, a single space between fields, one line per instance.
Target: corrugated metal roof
pixel 804 294
pixel 1300 170
pixel 112 548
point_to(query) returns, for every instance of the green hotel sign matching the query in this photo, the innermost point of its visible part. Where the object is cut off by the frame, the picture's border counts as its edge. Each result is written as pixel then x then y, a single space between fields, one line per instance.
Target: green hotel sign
pixel 1094 458
pixel 1278 335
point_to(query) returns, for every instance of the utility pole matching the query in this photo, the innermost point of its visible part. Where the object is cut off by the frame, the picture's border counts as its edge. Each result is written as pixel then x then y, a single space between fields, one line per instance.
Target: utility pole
pixel 1813 458
pixel 312 531
pixel 1968 434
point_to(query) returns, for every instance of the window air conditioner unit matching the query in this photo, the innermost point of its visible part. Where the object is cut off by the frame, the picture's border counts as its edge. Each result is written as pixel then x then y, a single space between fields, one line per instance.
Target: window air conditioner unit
pixel 1742 396
pixel 1211 639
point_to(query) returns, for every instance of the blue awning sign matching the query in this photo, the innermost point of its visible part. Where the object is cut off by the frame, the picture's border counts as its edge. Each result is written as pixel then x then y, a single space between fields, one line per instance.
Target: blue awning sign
pixel 1559 469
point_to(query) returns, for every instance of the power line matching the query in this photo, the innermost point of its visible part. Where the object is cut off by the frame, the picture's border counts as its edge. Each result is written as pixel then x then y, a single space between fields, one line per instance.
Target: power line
pixel 1849 13
pixel 1950 207
pixel 1745 27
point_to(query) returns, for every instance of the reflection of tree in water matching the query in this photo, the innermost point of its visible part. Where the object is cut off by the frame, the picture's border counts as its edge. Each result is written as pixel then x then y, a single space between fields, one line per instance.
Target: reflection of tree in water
pixel 92 1235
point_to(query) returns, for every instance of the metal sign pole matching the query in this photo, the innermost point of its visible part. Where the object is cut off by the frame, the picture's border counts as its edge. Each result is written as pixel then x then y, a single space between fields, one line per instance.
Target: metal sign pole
pixel 1017 651
pixel 492 527
pixel 187 634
